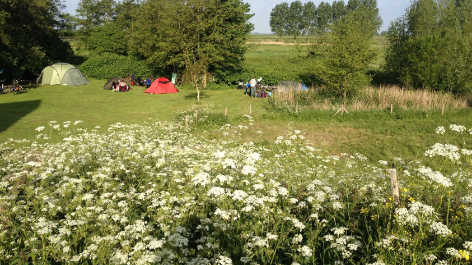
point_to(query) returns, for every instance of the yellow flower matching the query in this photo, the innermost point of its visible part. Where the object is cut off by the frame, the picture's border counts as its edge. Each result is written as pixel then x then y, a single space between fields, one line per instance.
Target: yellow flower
pixel 404 189
pixel 364 210
pixel 411 199
pixel 464 254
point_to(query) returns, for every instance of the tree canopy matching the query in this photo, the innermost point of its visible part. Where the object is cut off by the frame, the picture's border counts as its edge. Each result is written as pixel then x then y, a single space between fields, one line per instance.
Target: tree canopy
pixel 29 39
pixel 430 46
pixel 199 39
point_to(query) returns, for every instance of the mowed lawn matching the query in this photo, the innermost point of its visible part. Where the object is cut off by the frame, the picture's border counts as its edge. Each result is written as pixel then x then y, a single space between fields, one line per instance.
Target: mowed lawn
pixel 21 114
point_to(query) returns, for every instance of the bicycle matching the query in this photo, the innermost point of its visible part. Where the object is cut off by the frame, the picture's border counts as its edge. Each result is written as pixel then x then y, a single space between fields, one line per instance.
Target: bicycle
pixel 16 88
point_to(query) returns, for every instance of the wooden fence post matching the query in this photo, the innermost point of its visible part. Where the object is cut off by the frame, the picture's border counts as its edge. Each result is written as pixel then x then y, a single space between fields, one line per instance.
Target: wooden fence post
pixel 442 112
pixel 394 185
pixel 391 108
pixel 226 111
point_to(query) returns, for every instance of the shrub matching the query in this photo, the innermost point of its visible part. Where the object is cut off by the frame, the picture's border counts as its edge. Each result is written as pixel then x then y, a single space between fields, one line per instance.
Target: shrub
pixel 108 65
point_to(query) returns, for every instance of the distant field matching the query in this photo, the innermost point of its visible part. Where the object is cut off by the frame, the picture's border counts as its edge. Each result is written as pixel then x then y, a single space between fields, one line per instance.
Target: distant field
pixel 269 45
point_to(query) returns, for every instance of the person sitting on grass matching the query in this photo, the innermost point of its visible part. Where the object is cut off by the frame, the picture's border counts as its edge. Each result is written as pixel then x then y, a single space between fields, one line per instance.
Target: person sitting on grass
pixel 123 86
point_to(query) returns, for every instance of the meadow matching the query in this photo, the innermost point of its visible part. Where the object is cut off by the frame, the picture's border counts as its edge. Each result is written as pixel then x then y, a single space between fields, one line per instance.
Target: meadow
pixel 90 176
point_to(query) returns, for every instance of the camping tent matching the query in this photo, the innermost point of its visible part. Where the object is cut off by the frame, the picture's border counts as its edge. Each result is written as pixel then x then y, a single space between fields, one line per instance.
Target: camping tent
pixel 161 85
pixel 62 74
pixel 291 85
pixel 108 84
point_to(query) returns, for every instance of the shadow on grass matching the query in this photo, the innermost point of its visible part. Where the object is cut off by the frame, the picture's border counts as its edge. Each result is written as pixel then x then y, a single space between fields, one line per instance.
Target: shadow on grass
pixel 192 96
pixel 12 112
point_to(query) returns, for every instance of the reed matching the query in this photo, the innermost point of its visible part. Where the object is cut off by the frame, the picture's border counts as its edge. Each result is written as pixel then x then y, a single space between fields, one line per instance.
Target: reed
pixel 373 98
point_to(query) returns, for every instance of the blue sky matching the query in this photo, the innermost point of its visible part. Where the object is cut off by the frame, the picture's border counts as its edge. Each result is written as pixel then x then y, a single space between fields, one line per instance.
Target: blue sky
pixel 389 11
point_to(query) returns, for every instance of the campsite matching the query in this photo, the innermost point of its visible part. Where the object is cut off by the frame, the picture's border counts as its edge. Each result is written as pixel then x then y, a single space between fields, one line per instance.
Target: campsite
pixel 104 137
pixel 310 166
pixel 360 154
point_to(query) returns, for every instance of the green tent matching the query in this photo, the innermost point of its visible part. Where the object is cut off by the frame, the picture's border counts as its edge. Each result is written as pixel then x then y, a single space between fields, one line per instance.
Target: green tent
pixel 62 74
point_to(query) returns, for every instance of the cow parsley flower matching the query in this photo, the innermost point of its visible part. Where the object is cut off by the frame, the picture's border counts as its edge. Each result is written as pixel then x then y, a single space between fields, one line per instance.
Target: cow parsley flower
pixel 222 260
pixel 440 229
pixel 248 170
pixel 448 151
pixel 468 245
pixel 440 130
pixel 457 128
pixel 201 178
pixel 297 239
pixel 306 251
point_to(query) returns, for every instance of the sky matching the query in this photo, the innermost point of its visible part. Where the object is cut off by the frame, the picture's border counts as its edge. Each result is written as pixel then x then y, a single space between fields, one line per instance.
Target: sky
pixel 389 11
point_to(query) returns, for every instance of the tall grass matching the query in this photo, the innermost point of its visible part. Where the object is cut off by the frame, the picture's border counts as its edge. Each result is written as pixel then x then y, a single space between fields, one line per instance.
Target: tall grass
pixel 372 98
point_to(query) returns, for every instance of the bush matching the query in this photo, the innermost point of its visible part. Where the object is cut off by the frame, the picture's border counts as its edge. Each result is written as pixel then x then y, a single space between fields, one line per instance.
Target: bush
pixel 108 65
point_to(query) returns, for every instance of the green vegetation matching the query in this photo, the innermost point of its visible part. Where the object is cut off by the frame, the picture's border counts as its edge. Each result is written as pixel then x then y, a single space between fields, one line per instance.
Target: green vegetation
pixel 91 176
pixel 430 47
pixel 351 133
pixel 29 39
pixel 232 190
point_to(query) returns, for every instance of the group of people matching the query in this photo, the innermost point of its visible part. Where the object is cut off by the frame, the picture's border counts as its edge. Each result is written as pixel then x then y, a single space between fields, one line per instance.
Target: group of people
pixel 120 86
pixel 251 88
pixel 140 82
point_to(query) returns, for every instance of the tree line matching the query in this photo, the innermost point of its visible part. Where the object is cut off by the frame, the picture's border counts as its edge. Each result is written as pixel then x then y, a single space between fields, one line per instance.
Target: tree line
pixel 204 40
pixel 297 19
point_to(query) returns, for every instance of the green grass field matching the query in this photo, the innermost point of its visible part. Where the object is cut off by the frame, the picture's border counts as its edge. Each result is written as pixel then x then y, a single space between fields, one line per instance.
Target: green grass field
pixel 376 134
pixel 22 113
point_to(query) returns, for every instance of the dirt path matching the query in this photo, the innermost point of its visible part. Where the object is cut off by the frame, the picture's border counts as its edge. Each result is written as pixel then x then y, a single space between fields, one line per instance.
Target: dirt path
pixel 275 43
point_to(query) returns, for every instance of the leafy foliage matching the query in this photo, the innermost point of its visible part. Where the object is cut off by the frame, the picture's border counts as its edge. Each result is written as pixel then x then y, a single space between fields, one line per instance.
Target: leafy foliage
pixel 347 50
pixel 430 47
pixel 108 39
pixel 108 65
pixel 196 39
pixel 28 36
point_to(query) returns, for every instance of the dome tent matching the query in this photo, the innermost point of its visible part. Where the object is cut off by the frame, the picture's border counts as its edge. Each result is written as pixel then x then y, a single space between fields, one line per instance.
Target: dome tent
pixel 161 85
pixel 291 85
pixel 62 74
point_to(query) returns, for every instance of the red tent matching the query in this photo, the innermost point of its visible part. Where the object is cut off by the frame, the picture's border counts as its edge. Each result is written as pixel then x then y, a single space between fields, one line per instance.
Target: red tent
pixel 161 85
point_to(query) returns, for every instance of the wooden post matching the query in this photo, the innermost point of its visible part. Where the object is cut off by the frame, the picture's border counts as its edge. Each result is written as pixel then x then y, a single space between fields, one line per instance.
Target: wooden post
pixel 342 109
pixel 296 108
pixel 394 185
pixel 442 112
pixel 250 109
pixel 186 122
pixel 391 108
pixel 226 111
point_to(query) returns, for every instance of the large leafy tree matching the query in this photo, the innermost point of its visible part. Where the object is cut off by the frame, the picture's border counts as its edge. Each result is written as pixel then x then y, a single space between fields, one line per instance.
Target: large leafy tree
pixel 92 16
pixel 200 39
pixel 324 15
pixel 348 51
pixel 103 25
pixel 430 46
pixel 29 38
pixel 339 9
pixel 296 24
pixel 279 19
pixel 309 16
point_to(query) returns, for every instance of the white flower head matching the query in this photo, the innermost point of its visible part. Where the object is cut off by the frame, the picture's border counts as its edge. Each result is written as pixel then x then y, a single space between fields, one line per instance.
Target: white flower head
pixel 440 130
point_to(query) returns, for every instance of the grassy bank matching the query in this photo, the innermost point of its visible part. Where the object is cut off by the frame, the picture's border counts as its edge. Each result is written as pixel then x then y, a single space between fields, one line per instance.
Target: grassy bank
pixel 378 134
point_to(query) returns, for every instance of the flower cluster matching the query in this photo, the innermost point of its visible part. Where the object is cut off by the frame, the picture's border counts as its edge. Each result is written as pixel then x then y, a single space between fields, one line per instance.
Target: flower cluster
pixel 155 193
